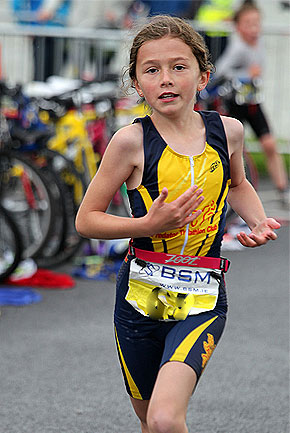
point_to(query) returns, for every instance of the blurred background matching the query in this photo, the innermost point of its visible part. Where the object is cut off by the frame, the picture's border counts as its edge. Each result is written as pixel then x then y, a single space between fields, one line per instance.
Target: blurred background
pixel 85 38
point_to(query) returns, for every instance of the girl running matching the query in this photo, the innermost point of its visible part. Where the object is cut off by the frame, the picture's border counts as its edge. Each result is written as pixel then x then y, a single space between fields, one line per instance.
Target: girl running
pixel 180 167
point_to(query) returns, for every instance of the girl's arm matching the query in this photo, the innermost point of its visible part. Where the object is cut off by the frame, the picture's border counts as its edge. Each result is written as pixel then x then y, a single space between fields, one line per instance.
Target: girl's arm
pixel 242 196
pixel 123 162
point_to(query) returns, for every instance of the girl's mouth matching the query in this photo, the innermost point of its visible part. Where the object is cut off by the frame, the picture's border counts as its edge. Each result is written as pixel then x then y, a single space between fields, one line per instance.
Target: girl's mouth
pixel 168 95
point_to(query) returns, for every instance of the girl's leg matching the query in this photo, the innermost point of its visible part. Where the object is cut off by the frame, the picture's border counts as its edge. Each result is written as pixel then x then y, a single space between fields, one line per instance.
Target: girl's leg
pixel 168 404
pixel 166 410
pixel 140 408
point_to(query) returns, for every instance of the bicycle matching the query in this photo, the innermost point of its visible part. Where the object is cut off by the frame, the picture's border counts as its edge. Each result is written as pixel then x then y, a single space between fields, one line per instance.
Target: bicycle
pixel 62 150
pixel 25 195
pixel 64 137
pixel 85 121
pixel 10 245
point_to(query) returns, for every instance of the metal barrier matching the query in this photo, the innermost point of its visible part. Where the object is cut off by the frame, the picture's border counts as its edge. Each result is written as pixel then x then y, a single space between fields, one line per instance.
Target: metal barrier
pixel 29 52
pixel 72 51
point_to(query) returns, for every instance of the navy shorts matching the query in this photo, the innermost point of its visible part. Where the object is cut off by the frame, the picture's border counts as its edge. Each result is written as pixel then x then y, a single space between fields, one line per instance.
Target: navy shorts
pixel 144 345
pixel 251 113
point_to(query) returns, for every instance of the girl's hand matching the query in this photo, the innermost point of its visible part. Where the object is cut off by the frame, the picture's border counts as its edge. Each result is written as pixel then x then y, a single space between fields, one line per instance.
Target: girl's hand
pixel 261 233
pixel 167 216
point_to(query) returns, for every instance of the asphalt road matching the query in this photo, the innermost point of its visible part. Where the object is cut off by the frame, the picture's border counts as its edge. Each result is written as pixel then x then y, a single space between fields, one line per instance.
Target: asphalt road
pixel 59 371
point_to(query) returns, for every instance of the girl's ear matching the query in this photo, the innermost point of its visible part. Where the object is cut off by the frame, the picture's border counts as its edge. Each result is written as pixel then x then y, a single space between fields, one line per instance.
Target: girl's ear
pixel 138 89
pixel 204 77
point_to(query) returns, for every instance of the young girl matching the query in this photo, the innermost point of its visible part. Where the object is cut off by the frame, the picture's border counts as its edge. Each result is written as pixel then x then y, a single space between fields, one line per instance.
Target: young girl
pixel 180 166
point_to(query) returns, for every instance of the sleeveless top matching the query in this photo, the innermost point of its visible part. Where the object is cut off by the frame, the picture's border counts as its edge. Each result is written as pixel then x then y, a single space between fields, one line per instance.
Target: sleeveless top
pixel 163 167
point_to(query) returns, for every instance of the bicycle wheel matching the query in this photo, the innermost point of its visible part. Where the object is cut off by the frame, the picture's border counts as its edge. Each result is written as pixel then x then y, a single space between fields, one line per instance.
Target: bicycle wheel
pixel 10 245
pixel 71 188
pixel 58 231
pixel 25 195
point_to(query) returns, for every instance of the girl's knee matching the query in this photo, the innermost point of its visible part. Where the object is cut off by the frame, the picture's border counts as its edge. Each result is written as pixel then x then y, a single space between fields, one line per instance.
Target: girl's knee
pixel 160 420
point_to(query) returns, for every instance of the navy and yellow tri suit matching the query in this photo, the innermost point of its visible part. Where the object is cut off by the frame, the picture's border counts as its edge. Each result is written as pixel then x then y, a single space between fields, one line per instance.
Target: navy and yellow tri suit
pixel 143 344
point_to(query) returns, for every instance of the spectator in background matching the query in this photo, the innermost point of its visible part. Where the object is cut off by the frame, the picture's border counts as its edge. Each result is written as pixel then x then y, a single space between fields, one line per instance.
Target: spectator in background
pixel 96 59
pixel 47 13
pixel 91 14
pixel 180 8
pixel 213 13
pixel 243 60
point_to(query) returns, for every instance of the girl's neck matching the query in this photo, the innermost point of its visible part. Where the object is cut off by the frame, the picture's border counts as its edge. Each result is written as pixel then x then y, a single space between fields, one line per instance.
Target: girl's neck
pixel 186 136
pixel 176 123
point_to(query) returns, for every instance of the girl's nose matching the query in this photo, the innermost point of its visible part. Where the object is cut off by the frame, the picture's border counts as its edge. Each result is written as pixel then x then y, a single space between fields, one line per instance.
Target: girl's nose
pixel 166 79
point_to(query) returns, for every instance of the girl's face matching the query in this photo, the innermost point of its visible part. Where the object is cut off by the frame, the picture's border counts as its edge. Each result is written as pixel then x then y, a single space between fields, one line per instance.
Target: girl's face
pixel 168 75
pixel 249 26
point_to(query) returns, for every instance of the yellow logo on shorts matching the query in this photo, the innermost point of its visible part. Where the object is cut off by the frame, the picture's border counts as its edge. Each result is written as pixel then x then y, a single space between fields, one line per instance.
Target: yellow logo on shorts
pixel 209 347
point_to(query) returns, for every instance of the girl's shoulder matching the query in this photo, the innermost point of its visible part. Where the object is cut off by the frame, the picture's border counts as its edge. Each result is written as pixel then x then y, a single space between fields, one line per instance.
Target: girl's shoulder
pixel 233 127
pixel 128 137
pixel 234 130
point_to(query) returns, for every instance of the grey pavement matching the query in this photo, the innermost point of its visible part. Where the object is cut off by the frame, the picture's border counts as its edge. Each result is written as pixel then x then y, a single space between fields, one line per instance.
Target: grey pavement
pixel 59 371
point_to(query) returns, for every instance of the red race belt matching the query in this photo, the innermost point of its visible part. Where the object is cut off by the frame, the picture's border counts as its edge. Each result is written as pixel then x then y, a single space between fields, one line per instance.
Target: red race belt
pixel 218 263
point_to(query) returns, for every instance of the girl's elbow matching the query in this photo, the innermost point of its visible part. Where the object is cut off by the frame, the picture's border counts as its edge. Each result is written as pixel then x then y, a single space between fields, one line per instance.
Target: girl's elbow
pixel 80 226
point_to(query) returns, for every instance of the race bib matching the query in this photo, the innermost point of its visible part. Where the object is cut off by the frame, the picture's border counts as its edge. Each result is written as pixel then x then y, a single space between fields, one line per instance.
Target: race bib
pixel 170 292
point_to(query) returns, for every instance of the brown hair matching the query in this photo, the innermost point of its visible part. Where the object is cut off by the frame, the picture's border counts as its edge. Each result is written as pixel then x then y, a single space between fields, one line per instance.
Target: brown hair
pixel 165 25
pixel 246 7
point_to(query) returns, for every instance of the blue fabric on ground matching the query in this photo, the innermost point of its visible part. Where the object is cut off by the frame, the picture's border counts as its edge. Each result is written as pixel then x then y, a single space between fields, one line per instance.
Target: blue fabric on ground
pixel 15 296
pixel 100 270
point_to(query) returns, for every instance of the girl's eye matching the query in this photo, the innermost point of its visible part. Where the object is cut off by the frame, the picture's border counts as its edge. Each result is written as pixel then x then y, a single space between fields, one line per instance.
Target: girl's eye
pixel 179 67
pixel 151 70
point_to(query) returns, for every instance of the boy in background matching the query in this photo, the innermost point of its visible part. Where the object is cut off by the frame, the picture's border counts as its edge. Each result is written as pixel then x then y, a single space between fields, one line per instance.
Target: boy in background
pixel 243 62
